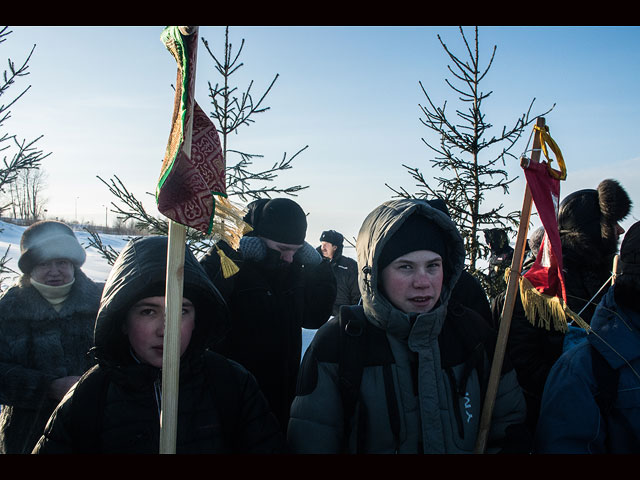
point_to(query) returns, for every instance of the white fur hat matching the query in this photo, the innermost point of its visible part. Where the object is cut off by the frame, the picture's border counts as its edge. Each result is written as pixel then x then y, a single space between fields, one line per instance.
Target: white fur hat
pixel 48 240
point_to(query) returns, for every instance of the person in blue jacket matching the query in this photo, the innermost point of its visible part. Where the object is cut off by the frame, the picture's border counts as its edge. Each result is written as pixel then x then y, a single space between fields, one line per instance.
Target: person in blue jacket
pixel 575 415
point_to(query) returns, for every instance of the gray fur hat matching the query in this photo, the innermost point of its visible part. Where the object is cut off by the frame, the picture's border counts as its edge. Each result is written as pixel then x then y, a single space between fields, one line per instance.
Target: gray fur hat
pixel 47 240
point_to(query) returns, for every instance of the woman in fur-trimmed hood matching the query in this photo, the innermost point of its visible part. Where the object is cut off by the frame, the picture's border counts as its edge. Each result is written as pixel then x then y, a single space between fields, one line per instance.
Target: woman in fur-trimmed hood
pixel 588 222
pixel 46 330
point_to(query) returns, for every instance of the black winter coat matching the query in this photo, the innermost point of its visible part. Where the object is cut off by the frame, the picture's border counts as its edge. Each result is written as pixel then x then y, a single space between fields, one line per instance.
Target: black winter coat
pixel 269 307
pixel 123 398
pixel 345 270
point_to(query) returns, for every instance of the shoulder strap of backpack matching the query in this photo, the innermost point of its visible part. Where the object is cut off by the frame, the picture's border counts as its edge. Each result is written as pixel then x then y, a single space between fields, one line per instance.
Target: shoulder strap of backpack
pixel 351 362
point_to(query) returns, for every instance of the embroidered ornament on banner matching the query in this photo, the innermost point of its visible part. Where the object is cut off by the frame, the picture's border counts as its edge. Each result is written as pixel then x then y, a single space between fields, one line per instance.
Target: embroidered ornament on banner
pixel 190 180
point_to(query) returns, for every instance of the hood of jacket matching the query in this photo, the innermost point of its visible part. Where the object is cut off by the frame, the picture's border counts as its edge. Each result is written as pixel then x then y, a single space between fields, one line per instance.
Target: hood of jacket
pixel 376 230
pixel 139 272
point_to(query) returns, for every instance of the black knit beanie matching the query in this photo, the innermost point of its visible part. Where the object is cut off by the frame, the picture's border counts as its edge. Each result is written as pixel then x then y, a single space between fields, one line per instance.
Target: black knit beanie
pixel 416 233
pixel 280 219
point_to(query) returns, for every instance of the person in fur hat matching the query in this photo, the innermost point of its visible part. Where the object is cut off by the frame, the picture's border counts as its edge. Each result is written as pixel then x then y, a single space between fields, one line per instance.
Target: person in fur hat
pixel 589 227
pixel 283 285
pixel 46 330
pixel 574 416
pixel 344 268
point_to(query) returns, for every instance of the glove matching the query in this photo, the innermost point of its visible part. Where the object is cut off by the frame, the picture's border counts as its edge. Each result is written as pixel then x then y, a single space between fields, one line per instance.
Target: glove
pixel 307 255
pixel 253 248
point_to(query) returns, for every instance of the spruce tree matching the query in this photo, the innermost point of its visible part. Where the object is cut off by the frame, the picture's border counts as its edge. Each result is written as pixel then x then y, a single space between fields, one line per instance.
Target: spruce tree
pixel 471 159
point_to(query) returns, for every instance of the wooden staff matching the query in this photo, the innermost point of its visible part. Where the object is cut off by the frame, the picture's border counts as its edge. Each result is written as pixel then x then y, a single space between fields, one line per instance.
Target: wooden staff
pixel 615 269
pixel 509 302
pixel 173 304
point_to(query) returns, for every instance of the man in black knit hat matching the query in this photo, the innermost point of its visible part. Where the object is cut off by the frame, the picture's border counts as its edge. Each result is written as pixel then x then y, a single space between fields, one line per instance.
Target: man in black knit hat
pixel 344 268
pixel 283 285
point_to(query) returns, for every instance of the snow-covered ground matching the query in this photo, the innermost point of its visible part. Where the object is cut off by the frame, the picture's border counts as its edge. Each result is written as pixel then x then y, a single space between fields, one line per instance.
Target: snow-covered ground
pixel 95 267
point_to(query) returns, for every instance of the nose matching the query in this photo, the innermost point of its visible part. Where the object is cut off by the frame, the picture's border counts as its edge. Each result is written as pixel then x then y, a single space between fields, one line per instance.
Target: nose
pixel 619 229
pixel 287 256
pixel 160 327
pixel 421 280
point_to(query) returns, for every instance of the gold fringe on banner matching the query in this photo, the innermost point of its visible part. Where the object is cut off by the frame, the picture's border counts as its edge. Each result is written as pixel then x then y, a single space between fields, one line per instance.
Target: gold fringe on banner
pixel 229 226
pixel 547 310
pixel 228 223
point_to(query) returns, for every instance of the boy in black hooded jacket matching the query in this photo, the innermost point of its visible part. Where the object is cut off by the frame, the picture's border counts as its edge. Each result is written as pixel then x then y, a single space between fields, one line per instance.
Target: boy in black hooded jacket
pixel 115 407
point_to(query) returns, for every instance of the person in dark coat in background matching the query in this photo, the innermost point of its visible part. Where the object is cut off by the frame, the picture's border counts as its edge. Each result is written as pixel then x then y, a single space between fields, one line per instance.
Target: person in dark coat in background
pixel 282 285
pixel 501 255
pixel 588 223
pixel 344 268
pixel 115 407
pixel 46 330
pixel 575 416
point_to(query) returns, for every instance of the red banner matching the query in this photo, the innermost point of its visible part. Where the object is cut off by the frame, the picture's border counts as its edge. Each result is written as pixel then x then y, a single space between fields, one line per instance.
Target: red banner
pixel 546 273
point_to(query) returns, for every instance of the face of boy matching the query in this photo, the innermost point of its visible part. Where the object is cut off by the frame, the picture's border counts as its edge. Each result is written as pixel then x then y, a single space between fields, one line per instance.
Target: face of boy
pixel 144 326
pixel 413 282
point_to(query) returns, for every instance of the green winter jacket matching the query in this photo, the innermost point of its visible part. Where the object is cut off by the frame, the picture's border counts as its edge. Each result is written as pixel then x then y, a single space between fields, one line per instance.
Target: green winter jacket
pixel 424 377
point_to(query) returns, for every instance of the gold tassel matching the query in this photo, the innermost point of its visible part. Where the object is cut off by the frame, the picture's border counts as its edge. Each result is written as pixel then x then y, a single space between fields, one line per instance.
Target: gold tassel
pixel 548 310
pixel 228 223
pixel 229 268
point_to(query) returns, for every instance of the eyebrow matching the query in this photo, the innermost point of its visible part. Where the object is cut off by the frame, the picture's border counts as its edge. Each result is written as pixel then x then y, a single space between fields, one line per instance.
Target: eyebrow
pixel 142 303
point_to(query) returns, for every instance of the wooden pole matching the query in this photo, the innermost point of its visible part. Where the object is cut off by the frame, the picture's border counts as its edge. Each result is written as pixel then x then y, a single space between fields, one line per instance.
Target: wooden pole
pixel 171 348
pixel 173 304
pixel 507 311
pixel 615 269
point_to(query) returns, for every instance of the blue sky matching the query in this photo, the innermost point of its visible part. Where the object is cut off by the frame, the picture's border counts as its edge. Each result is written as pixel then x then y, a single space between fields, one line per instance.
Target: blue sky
pixel 102 97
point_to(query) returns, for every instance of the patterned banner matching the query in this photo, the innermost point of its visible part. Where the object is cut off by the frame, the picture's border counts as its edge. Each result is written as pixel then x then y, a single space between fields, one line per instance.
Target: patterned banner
pixel 190 180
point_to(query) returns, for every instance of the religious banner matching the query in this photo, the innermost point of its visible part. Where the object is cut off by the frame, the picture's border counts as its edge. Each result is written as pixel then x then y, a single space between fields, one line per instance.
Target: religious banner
pixel 192 173
pixel 542 287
